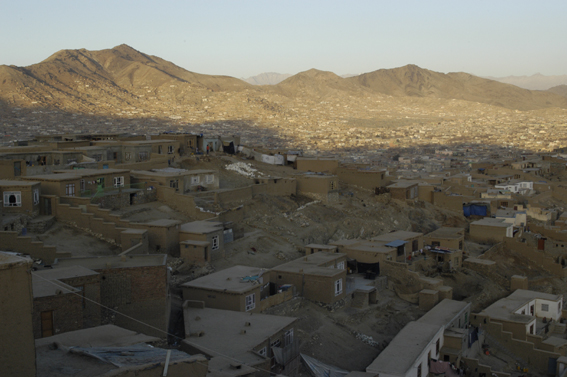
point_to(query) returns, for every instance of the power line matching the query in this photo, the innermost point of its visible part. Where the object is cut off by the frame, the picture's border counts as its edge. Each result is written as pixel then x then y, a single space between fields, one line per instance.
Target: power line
pixel 146 324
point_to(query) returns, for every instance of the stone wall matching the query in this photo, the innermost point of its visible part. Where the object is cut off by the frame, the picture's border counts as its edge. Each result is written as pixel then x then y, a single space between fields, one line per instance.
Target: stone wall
pixel 67 313
pixel 10 241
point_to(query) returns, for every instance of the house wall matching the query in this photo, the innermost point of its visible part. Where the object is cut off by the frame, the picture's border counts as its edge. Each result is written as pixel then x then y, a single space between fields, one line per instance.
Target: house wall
pixel 194 253
pixel 316 165
pixel 487 233
pixel 449 243
pixel 138 292
pixel 403 193
pixel 223 300
pixel 278 186
pixel 425 193
pixel 10 241
pixel 361 178
pixel 451 202
pixel 164 239
pixel 90 286
pixel 214 254
pixel 536 257
pixel 27 204
pixel 7 170
pixel 318 188
pixel 313 287
pixel 67 313
pixel 17 348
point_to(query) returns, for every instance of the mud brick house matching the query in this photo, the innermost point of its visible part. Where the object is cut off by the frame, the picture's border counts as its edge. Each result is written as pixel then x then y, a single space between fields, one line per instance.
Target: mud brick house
pixel 212 232
pixel 319 277
pixel 316 165
pixel 447 259
pixel 314 248
pixel 446 237
pixel 20 197
pixel 319 187
pixel 366 256
pixel 181 180
pixel 490 230
pixel 163 235
pixel 94 180
pixel 187 142
pixel 262 341
pixel 405 242
pixel 132 152
pixel 57 307
pixel 426 340
pixel 161 146
pixel 195 251
pixel 135 285
pixel 368 179
pixel 61 185
pixel 238 288
pixel 11 168
pixel 17 348
pixel 87 283
pixel 403 190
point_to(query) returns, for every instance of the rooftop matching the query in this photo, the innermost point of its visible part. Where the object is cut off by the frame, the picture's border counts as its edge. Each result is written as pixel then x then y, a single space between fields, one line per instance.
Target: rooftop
pixel 397 235
pixel 489 221
pixel 65 272
pixel 311 264
pixel 6 183
pixel 223 334
pixel 9 260
pixel 106 262
pixel 505 309
pixel 230 280
pixel 446 232
pixel 201 227
pixel 444 312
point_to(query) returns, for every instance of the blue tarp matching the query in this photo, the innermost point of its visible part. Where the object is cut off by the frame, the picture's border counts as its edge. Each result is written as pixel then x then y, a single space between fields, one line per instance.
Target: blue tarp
pixel 396 243
pixel 475 210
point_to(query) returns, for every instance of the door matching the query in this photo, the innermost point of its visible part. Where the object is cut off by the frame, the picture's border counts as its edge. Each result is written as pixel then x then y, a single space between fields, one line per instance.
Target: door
pixel 100 184
pixel 47 206
pixel 46 323
pixel 17 169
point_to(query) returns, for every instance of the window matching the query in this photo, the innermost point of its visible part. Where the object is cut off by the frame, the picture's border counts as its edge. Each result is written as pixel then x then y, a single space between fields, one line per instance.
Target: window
pixel 414 245
pixel 170 149
pixel 160 149
pixel 35 197
pixel 437 347
pixel 143 156
pixel 250 302
pixel 544 307
pixel 174 184
pixel 276 343
pixel 70 189
pixel 195 180
pixel 82 185
pixel 127 156
pixel 263 352
pixel 288 337
pixel 118 181
pixel 97 157
pixel 333 185
pixel 419 370
pixel 460 245
pixel 215 243
pixel 435 243
pixel 210 178
pixel 12 199
pixel 341 265
pixel 338 287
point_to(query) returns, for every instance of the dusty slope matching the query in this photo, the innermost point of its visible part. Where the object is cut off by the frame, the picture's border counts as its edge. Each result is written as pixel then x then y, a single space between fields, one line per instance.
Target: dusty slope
pixel 559 89
pixel 412 80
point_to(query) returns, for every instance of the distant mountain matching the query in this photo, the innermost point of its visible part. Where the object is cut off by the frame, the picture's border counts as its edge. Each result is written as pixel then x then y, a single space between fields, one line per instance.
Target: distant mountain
pixel 560 89
pixel 317 83
pixel 533 82
pixel 412 80
pixel 83 79
pixel 267 78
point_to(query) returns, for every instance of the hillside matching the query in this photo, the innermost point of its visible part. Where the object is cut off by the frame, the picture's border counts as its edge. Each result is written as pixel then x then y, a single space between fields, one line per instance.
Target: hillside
pixel 533 82
pixel 560 89
pixel 412 80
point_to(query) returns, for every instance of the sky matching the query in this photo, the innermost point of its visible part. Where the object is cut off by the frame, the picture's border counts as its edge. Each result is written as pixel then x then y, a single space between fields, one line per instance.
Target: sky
pixel 244 38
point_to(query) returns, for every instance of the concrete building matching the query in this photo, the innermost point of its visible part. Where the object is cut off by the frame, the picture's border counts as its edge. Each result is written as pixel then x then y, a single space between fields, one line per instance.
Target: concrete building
pixel 265 342
pixel 319 277
pixel 238 288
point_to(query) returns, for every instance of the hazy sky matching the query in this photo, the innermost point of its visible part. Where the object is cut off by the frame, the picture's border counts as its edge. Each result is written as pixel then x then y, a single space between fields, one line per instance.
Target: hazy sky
pixel 245 38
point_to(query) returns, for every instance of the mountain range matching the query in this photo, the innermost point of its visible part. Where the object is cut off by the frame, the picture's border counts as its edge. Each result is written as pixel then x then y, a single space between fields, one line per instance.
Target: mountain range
pixel 107 80
pixel 533 82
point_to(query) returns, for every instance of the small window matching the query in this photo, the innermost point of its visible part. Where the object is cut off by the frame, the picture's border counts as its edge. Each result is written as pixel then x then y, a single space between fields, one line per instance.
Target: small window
pixel 174 184
pixel 544 307
pixel 12 199
pixel 127 156
pixel 215 243
pixel 276 343
pixel 143 156
pixel 341 265
pixel 118 181
pixel 419 370
pixel 70 189
pixel 263 352
pixel 338 287
pixel 35 197
pixel 210 178
pixel 97 157
pixel 170 149
pixel 195 180
pixel 288 337
pixel 460 245
pixel 250 302
pixel 437 347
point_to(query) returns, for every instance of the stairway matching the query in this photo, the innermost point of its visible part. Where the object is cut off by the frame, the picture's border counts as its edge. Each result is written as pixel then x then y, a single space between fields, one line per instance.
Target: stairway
pixel 495 344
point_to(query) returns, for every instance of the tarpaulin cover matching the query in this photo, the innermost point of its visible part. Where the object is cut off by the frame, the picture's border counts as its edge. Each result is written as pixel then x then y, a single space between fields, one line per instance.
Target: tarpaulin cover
pixel 139 354
pixel 396 243
pixel 474 210
pixel 440 367
pixel 320 369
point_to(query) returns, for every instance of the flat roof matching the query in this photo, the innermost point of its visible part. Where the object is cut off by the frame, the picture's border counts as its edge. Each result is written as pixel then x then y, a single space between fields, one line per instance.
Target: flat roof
pixel 53 177
pixel 230 280
pixel 105 262
pixel 162 222
pixel 489 221
pixel 196 243
pixel 444 312
pixel 505 308
pixel 157 141
pixel 311 264
pixel 99 336
pixel 9 260
pixel 65 272
pixel 401 184
pixel 321 246
pixel 223 335
pixel 397 235
pixel 201 227
pixel 6 183
pixel 92 171
pixel 403 351
pixel 45 288
pixel 447 232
